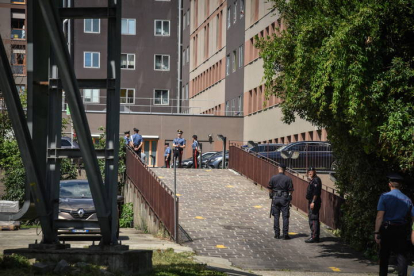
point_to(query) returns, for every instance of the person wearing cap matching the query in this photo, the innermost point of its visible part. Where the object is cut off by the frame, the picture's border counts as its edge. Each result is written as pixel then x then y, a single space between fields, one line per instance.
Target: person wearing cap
pixel 127 138
pixel 179 145
pixel 391 225
pixel 313 195
pixel 196 151
pixel 167 155
pixel 136 142
pixel 281 189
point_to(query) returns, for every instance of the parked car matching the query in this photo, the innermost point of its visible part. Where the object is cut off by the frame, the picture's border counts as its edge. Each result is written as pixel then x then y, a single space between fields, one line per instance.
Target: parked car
pixel 301 155
pixel 68 143
pixel 188 163
pixel 264 148
pixel 215 161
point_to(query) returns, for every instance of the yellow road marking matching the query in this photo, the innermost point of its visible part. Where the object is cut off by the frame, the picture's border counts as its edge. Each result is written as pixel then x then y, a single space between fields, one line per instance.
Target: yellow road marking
pixel 334 269
pixel 198 217
pixel 221 246
pixel 161 177
pixel 292 233
pixel 208 170
pixel 230 186
pixel 258 206
pixel 178 194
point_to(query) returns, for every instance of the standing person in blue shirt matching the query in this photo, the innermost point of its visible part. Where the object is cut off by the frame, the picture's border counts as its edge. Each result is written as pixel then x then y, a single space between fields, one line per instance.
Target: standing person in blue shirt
pixel 179 145
pixel 196 151
pixel 392 226
pixel 127 138
pixel 167 155
pixel 136 142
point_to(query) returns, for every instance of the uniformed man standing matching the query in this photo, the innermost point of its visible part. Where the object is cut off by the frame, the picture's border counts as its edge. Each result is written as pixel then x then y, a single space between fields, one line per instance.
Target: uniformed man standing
pixel 179 145
pixel 195 148
pixel 392 226
pixel 281 187
pixel 167 155
pixel 313 195
pixel 136 142
pixel 127 138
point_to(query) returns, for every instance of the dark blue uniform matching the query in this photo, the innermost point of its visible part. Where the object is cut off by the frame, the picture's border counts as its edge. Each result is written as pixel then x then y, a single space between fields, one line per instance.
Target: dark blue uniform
pixel 195 146
pixel 394 230
pixel 137 140
pixel 314 189
pixel 281 185
pixel 178 152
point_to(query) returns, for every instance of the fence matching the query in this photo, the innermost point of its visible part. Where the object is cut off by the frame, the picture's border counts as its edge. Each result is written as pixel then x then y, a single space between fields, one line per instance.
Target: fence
pixel 260 170
pixel 157 195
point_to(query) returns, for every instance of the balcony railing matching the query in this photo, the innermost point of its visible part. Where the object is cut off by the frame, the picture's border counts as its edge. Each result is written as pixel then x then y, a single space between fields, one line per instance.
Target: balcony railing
pixel 18 69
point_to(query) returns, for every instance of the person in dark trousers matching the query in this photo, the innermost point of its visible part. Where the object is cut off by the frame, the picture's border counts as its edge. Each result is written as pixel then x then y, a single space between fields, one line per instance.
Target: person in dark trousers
pixel 196 151
pixel 127 138
pixel 136 142
pixel 281 187
pixel 167 155
pixel 313 195
pixel 392 225
pixel 179 145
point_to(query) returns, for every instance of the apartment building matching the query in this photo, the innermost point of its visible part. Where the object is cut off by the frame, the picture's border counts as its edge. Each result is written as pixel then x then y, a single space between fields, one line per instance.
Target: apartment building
pixel 226 71
pixel 148 60
pixel 13 14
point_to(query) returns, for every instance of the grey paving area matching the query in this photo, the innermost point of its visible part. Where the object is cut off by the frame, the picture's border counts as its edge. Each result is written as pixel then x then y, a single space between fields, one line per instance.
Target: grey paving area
pixel 227 216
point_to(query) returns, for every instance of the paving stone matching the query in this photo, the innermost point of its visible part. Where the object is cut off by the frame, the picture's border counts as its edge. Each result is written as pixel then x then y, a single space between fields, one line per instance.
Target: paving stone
pixel 247 232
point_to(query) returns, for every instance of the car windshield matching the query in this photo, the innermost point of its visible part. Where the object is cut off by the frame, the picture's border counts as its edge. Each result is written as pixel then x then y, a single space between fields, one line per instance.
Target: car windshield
pixel 75 190
pixel 282 148
pixel 208 155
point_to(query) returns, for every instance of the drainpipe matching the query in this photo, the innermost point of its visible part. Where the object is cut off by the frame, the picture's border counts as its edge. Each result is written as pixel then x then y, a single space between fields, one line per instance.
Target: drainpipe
pixel 179 57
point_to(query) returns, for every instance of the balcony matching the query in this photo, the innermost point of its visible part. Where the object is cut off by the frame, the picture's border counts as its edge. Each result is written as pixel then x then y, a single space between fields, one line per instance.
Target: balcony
pixel 18 34
pixel 19 70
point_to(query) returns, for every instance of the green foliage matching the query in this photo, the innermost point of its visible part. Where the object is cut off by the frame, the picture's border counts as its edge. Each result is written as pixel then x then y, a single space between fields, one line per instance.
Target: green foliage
pixel 14 265
pixel 127 216
pixel 347 66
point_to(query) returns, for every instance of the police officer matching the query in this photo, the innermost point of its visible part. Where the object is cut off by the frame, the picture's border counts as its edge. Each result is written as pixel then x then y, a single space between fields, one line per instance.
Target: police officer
pixel 167 155
pixel 313 195
pixel 195 148
pixel 281 187
pixel 136 142
pixel 127 138
pixel 392 226
pixel 179 145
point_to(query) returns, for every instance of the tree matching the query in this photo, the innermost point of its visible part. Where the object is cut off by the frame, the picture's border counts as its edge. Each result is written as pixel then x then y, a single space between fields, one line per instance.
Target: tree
pixel 347 66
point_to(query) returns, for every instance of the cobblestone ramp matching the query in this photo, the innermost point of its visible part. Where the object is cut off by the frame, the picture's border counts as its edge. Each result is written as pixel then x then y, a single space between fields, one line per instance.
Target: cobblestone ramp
pixel 225 215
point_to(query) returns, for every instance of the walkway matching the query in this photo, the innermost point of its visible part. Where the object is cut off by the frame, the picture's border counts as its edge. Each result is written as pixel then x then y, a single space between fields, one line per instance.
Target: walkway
pixel 227 216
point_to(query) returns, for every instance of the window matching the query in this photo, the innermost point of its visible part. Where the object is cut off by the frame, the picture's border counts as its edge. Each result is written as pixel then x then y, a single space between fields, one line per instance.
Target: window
pixel 186 91
pixel 92 26
pixel 228 65
pixel 128 26
pixel 234 12
pixel 162 28
pixel 128 61
pixel 240 105
pixel 127 95
pixel 241 8
pixel 241 56
pixel 161 97
pixel 184 21
pixel 183 57
pixel 228 18
pixel 234 57
pixel 188 17
pixel 91 60
pixel 162 62
pixel 91 95
pixel 187 53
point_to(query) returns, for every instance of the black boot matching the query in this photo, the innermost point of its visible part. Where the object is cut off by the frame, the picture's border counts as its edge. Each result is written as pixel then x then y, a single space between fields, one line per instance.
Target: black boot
pixel 312 240
pixel 277 236
pixel 286 237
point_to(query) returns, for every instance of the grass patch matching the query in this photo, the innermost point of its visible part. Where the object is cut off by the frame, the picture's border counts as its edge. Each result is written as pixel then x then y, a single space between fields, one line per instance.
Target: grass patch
pixel 165 263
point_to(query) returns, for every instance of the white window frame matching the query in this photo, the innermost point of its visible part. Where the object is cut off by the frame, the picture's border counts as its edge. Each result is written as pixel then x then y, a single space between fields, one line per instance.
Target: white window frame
pixel 241 56
pixel 235 12
pixel 188 17
pixel 162 57
pixel 168 93
pixel 187 53
pixel 241 8
pixel 128 19
pixel 128 54
pixel 228 17
pixel 186 91
pixel 162 27
pixel 234 61
pixel 92 32
pixel 91 67
pixel 126 98
pixel 228 65
pixel 92 97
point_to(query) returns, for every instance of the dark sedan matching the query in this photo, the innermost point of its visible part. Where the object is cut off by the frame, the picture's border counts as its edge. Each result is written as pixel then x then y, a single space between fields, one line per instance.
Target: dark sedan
pixel 301 155
pixel 188 163
pixel 216 161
